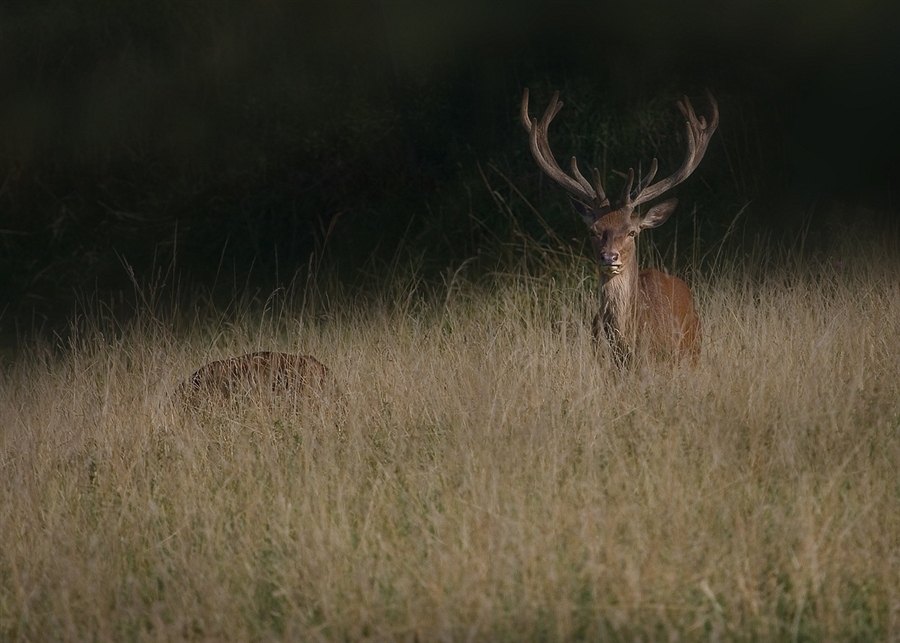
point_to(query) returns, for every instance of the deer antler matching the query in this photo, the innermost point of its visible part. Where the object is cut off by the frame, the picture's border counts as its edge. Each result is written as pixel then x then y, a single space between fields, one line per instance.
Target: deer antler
pixel 698 136
pixel 576 185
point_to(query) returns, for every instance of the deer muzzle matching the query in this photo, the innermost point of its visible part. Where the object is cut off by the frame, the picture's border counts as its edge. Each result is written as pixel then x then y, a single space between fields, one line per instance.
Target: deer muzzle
pixel 611 269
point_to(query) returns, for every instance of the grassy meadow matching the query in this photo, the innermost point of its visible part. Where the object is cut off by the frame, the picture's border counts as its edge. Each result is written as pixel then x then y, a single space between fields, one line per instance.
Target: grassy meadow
pixel 490 476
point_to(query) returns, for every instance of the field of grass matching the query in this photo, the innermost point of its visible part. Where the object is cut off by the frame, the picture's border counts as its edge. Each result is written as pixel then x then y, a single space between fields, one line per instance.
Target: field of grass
pixel 490 477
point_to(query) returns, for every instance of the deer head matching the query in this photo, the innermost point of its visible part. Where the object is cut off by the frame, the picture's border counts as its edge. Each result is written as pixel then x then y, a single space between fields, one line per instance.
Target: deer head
pixel 614 227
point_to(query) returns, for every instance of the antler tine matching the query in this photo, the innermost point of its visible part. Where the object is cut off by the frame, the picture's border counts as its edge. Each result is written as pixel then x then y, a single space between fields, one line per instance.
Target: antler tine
pixel 654 166
pixel 599 188
pixel 699 133
pixel 715 106
pixel 628 196
pixel 526 119
pixel 626 191
pixel 578 186
pixel 584 182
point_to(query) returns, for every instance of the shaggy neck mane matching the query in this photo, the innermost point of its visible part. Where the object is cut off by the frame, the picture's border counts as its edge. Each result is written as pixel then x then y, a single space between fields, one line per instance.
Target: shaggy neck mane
pixel 618 306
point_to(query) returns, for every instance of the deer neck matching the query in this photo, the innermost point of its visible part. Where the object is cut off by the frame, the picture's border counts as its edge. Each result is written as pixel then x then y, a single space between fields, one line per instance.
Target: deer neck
pixel 618 306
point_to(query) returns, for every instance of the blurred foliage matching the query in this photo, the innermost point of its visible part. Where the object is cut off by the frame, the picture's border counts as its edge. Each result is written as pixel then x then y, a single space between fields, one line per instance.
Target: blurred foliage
pixel 232 144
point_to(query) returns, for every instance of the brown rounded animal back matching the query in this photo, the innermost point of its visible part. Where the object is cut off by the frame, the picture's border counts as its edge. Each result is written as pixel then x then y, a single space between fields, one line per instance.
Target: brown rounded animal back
pixel 287 376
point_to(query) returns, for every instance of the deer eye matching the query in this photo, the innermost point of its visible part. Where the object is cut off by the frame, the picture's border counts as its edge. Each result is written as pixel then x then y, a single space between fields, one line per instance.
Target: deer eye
pixel 632 233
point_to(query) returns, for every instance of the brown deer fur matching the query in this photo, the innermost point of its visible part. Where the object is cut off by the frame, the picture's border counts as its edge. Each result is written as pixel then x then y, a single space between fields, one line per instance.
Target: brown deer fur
pixel 295 378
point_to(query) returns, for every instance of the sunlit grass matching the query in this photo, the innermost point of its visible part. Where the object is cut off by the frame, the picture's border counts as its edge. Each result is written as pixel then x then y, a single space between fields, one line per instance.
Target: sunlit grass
pixel 491 477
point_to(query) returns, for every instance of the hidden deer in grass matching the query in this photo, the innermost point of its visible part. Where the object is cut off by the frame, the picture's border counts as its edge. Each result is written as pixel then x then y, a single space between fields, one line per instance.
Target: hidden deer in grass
pixel 641 311
pixel 263 376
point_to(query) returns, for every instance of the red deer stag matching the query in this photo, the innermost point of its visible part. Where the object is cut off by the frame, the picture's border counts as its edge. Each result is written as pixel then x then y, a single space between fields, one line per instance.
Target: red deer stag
pixel 644 311
pixel 294 378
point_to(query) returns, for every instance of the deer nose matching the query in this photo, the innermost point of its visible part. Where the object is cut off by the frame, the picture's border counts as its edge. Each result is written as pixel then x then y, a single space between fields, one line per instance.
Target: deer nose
pixel 609 258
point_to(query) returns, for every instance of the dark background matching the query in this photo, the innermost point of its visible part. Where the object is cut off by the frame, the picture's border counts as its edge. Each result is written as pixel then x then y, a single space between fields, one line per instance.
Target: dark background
pixel 214 145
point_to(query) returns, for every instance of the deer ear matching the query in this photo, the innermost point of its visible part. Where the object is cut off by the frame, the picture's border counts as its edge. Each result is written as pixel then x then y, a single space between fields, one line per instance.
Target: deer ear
pixel 658 214
pixel 587 213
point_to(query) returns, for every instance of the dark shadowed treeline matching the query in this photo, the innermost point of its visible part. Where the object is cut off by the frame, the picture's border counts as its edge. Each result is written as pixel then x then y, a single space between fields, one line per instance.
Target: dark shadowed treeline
pixel 219 145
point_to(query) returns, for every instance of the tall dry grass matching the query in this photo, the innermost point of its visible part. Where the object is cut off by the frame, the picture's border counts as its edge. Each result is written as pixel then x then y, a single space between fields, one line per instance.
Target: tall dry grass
pixel 491 477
